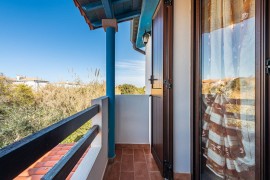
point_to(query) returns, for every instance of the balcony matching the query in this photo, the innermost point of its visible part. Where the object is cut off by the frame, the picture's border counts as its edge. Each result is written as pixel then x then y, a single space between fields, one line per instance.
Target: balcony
pixel 40 156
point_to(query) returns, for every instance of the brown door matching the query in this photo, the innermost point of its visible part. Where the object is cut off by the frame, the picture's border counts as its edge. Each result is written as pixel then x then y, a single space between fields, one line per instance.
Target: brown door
pixel 162 89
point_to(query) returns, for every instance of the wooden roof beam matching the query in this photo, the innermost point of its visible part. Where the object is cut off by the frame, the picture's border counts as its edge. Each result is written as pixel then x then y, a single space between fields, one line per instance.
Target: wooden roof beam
pixel 108 9
pixel 98 5
pixel 128 16
pixel 92 6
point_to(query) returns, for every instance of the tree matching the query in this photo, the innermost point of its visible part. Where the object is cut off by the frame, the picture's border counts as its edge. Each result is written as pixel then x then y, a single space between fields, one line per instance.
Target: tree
pixel 22 95
pixel 128 89
pixel 131 89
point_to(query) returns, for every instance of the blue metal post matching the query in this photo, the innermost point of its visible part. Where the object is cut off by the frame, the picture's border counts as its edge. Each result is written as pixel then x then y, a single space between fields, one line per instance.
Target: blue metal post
pixel 110 86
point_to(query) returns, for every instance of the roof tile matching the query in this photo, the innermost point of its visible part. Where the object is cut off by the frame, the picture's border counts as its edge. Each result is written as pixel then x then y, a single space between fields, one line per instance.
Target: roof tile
pixel 38 169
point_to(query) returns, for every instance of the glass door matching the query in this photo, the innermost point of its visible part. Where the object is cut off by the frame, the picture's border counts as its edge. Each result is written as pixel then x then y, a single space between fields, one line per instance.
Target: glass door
pixel 227 101
pixel 267 52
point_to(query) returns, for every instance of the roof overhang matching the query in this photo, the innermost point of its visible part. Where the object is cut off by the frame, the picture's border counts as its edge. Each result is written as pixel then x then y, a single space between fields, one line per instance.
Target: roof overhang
pixel 145 21
pixel 95 10
pixel 140 11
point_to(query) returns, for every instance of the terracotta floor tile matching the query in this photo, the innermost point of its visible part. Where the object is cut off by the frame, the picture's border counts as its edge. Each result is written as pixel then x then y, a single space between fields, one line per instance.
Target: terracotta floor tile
pixel 137 146
pixel 147 151
pixel 126 146
pixel 127 176
pixel 127 164
pixel 155 176
pixel 149 158
pixel 182 176
pixel 118 153
pixel 127 151
pixel 141 172
pixel 118 146
pixel 151 164
pixel 141 146
pixel 139 155
pixel 113 171
pixel 133 162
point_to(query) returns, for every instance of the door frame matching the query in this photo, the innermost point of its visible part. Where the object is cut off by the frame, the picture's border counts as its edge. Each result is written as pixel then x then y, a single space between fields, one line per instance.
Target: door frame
pixel 267 108
pixel 167 169
pixel 260 96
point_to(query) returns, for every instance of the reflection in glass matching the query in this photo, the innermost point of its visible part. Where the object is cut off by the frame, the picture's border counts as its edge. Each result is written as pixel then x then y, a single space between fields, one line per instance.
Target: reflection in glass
pixel 228 89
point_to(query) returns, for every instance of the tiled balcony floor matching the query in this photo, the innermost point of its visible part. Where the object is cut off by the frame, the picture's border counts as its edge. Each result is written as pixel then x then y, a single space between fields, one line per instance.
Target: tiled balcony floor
pixel 133 162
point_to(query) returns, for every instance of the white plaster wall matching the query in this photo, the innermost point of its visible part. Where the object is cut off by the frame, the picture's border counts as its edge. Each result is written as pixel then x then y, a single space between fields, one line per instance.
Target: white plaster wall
pixel 132 119
pixel 95 161
pixel 182 80
pixel 148 65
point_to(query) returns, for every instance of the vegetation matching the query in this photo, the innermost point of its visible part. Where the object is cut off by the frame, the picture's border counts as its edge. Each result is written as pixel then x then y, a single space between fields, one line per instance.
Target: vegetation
pixel 131 89
pixel 24 111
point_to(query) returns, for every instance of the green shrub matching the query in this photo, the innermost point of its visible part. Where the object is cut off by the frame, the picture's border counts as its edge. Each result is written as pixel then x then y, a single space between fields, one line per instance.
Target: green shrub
pixel 24 112
pixel 131 89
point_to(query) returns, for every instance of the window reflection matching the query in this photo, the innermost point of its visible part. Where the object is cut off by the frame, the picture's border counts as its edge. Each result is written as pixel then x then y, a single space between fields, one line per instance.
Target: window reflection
pixel 228 89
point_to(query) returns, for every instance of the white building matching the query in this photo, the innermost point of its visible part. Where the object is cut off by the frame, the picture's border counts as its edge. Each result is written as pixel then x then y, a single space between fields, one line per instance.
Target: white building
pixel 34 83
pixel 67 84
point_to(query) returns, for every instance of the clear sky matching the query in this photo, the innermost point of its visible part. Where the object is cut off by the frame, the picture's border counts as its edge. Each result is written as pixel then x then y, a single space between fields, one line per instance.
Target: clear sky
pixel 50 39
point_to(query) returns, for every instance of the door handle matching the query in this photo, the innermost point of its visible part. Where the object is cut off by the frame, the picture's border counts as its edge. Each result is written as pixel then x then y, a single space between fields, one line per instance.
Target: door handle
pixel 152 79
pixel 267 66
pixel 167 84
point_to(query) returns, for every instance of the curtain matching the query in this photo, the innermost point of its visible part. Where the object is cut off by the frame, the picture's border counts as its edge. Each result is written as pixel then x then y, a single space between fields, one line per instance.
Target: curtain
pixel 228 87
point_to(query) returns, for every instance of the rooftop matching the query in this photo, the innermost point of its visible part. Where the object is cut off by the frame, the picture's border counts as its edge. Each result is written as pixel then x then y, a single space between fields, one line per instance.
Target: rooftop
pixel 38 169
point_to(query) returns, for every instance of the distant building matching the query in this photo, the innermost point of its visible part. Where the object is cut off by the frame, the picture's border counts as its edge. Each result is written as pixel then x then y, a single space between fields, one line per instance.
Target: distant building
pixel 35 83
pixel 67 84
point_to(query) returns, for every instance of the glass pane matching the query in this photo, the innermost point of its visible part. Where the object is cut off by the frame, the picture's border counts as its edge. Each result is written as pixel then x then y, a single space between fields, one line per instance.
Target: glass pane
pixel 228 89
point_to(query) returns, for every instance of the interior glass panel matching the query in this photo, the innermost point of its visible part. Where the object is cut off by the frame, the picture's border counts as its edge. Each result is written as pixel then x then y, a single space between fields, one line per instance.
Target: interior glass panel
pixel 228 89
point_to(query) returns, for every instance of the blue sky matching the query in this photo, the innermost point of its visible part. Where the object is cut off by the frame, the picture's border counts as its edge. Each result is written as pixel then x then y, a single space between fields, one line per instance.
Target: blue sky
pixel 49 39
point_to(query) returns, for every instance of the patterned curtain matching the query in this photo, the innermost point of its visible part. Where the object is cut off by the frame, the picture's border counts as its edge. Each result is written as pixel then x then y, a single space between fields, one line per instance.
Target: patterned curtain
pixel 228 70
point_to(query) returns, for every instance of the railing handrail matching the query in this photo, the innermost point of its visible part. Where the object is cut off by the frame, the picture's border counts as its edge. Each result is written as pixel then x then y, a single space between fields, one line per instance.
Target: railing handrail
pixel 65 165
pixel 18 156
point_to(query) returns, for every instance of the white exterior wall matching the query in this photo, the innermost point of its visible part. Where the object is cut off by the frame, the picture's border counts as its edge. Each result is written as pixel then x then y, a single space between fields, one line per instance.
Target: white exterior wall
pixel 182 80
pixel 148 65
pixel 132 119
pixel 35 85
pixel 94 163
pixel 181 86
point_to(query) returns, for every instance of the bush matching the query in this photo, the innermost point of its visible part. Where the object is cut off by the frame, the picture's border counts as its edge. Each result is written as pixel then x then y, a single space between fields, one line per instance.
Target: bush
pixel 131 89
pixel 24 112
